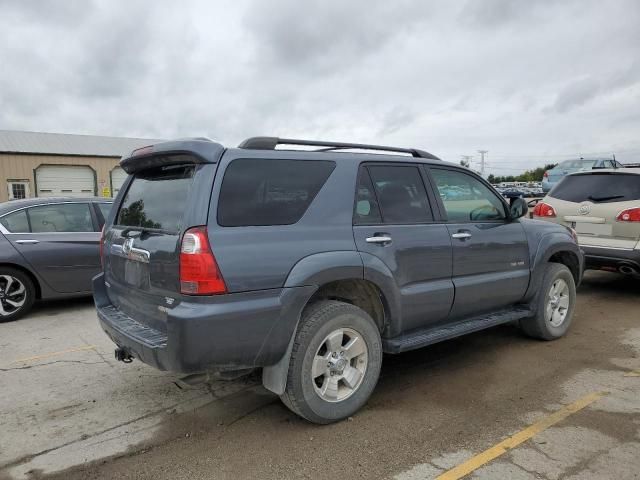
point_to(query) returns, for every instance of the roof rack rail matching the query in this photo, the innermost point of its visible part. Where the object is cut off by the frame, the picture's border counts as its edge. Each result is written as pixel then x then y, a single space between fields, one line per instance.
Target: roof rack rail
pixel 270 143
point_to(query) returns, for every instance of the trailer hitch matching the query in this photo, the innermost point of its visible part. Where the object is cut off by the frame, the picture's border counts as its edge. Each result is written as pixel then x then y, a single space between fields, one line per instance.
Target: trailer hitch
pixel 123 356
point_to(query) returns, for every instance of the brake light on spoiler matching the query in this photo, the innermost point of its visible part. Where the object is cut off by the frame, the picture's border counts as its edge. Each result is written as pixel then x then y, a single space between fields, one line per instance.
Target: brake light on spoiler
pixel 199 272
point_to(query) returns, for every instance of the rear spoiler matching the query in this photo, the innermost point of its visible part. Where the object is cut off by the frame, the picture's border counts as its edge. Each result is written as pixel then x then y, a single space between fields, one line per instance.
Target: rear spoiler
pixel 187 150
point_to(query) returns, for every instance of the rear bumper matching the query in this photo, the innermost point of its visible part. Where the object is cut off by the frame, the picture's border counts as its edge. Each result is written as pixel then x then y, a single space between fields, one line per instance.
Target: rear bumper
pixel 227 332
pixel 599 257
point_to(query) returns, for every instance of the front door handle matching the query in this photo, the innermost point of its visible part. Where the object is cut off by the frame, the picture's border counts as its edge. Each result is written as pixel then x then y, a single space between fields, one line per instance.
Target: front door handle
pixel 27 242
pixel 379 239
pixel 461 235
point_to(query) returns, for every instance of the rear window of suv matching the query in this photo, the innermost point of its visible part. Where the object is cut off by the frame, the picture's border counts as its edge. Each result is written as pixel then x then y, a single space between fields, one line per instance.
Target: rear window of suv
pixel 157 198
pixel 258 192
pixel 598 187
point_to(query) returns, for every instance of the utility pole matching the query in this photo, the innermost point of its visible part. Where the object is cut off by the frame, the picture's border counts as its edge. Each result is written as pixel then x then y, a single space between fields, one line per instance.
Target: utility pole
pixel 482 154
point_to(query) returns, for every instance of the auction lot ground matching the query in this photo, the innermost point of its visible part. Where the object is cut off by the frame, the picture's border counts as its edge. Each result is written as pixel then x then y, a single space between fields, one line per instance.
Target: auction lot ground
pixel 66 404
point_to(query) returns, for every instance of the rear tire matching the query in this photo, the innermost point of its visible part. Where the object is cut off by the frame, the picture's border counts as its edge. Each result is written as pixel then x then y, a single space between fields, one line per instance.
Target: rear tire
pixel 17 294
pixel 335 362
pixel 555 304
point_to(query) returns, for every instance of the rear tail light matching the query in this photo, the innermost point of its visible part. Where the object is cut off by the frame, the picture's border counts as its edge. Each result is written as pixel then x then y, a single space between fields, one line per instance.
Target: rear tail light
pixel 544 210
pixel 629 215
pixel 199 272
pixel 545 174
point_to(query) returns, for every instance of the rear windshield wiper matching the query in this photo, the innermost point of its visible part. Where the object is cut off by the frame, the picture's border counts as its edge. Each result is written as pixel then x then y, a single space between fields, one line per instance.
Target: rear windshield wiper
pixel 604 199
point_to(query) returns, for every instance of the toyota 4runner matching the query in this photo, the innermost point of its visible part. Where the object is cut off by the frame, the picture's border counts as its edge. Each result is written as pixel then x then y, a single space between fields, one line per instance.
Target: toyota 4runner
pixel 311 259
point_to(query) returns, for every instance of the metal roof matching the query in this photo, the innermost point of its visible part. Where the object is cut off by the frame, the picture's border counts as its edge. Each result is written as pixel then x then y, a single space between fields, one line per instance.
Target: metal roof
pixel 13 141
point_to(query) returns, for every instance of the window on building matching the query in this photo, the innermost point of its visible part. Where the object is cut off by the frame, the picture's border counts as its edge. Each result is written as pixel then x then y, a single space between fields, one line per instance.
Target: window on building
pixel 18 189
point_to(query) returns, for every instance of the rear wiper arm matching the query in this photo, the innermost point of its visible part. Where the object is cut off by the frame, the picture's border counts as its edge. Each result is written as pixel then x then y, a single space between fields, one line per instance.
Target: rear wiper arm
pixel 602 199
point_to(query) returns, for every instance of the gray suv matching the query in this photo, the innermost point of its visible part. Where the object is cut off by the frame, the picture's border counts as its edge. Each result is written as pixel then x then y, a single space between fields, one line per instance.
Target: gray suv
pixel 310 260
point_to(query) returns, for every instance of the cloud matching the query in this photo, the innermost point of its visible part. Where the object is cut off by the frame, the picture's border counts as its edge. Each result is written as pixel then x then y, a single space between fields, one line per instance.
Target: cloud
pixel 516 77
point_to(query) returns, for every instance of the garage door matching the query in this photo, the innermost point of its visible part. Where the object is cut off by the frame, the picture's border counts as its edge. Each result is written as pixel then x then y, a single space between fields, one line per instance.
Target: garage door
pixel 118 176
pixel 65 180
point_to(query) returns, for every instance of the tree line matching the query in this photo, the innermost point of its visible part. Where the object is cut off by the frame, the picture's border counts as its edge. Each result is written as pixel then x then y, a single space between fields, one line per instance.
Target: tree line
pixel 534 175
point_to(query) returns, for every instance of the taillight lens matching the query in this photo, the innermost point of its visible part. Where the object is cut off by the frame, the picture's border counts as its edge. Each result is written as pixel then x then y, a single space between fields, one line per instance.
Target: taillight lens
pixel 629 215
pixel 545 174
pixel 199 272
pixel 544 210
pixel 102 247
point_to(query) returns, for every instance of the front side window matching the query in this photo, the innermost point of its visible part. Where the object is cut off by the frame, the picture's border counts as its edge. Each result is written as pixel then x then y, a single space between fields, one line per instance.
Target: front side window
pixel 401 193
pixel 465 198
pixel 16 222
pixel 269 192
pixel 63 217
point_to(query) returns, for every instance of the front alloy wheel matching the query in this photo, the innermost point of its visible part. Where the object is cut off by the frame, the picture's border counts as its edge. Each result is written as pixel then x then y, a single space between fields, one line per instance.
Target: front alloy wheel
pixel 557 303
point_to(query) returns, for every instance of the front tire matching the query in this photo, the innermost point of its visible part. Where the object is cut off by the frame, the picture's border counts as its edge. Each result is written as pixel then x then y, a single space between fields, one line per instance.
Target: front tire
pixel 555 304
pixel 17 294
pixel 335 362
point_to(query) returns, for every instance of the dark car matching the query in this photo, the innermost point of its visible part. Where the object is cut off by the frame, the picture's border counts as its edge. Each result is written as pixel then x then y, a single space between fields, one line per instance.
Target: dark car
pixel 312 264
pixel 49 248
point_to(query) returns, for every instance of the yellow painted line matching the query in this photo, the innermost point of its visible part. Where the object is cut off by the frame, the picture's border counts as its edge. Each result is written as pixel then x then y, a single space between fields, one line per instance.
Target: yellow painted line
pixel 522 436
pixel 634 373
pixel 54 354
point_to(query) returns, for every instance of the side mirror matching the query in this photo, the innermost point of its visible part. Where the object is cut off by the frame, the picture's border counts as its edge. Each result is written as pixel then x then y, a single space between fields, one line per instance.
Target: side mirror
pixel 519 208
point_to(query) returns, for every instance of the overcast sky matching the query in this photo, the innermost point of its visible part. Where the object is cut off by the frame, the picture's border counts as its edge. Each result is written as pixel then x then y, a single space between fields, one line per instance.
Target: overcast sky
pixel 530 81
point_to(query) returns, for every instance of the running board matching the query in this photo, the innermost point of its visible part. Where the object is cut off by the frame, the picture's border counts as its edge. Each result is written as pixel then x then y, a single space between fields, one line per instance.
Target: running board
pixel 422 338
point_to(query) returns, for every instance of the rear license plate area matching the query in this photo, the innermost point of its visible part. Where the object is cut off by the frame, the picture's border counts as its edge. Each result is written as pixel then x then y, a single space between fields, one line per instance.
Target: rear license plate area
pixel 136 274
pixel 595 229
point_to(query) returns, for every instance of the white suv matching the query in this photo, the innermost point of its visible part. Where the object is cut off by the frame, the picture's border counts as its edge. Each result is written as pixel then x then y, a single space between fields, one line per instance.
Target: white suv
pixel 603 206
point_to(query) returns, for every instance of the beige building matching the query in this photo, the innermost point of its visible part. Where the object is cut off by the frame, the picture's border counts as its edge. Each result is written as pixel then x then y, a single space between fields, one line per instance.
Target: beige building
pixel 34 164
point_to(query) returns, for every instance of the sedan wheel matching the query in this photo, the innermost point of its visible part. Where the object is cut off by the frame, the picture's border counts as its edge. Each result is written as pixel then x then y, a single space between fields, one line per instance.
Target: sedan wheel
pixel 13 295
pixel 17 294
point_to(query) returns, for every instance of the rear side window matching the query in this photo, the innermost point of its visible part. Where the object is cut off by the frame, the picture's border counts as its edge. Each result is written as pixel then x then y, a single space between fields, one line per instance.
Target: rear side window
pixel 598 187
pixel 16 222
pixel 269 192
pixel 401 193
pixel 157 198
pixel 62 217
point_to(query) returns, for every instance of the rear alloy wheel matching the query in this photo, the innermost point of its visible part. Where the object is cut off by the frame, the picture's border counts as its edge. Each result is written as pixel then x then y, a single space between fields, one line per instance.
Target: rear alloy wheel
pixel 335 362
pixel 339 365
pixel 17 294
pixel 555 305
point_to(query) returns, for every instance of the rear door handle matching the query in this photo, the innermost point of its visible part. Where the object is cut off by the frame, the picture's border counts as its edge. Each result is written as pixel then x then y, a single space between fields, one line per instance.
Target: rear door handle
pixel 461 235
pixel 27 242
pixel 379 239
